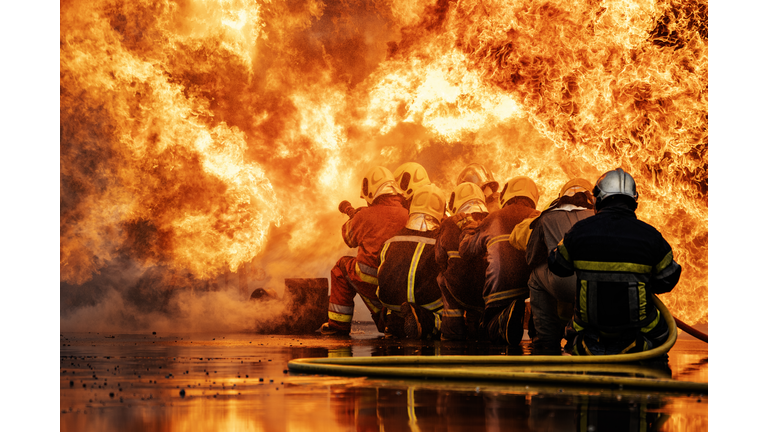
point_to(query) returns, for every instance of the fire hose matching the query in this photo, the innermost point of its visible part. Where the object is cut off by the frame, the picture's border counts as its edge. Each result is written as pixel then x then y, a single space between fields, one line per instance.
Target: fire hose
pixel 692 331
pixel 450 367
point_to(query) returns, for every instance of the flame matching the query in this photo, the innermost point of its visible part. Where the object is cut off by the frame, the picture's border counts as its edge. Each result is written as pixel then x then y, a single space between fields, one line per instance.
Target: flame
pixel 204 135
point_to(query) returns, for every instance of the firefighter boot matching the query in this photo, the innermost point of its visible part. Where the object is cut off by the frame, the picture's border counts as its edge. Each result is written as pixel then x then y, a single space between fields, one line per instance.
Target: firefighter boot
pixel 510 322
pixel 327 330
pixel 394 328
pixel 419 323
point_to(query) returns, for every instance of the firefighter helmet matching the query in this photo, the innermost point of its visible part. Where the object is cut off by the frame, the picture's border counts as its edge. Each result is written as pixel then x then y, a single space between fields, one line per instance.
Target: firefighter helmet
pixel 519 186
pixel 614 182
pixel 477 174
pixel 409 177
pixel 376 182
pixel 465 193
pixel 575 186
pixel 429 199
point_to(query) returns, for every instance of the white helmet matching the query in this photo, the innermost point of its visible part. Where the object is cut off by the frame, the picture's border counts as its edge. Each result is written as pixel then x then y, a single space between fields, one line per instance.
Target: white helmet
pixel 615 182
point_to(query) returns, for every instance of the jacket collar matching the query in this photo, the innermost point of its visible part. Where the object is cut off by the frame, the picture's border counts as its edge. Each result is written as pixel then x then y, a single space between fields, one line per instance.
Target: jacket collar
pixel 618 209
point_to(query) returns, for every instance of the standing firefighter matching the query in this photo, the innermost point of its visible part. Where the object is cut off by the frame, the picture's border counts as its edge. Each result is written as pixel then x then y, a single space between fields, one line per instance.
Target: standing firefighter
pixel 477 174
pixel 620 262
pixel 461 279
pixel 506 278
pixel 552 296
pixel 408 271
pixel 367 230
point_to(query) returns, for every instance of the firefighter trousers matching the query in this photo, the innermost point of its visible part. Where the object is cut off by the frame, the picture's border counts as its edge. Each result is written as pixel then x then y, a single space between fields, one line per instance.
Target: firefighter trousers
pixel 345 284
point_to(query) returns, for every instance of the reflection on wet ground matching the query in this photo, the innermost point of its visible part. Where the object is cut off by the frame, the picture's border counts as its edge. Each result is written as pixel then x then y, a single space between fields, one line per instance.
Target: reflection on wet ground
pixel 157 382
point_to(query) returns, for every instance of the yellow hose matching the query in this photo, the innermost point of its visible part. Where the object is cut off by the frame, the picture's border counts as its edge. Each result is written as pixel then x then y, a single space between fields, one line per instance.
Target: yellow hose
pixel 423 366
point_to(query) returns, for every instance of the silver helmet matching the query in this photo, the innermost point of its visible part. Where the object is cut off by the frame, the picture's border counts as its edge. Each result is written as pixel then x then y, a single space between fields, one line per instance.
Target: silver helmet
pixel 615 182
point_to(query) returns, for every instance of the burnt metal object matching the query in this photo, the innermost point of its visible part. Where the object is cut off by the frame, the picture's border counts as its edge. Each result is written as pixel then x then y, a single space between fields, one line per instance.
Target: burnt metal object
pixel 304 307
pixel 307 302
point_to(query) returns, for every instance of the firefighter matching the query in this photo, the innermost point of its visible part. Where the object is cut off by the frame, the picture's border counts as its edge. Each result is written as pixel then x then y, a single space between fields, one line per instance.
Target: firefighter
pixel 367 230
pixel 461 280
pixel 408 271
pixel 552 296
pixel 619 263
pixel 506 277
pixel 477 174
pixel 409 177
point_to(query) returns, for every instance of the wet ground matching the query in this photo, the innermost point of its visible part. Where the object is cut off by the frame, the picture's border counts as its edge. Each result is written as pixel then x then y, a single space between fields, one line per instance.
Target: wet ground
pixel 241 382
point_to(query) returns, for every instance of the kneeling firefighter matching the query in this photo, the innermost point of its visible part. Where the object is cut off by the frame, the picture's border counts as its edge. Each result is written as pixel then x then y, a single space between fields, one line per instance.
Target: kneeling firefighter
pixel 552 296
pixel 408 271
pixel 461 279
pixel 367 230
pixel 619 262
pixel 506 277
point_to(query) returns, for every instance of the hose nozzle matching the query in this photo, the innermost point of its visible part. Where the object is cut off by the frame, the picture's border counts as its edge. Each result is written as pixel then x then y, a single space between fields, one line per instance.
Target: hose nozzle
pixel 346 208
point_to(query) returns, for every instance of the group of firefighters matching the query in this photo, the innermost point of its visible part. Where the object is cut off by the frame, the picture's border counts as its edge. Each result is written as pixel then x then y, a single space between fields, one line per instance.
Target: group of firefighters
pixel 462 270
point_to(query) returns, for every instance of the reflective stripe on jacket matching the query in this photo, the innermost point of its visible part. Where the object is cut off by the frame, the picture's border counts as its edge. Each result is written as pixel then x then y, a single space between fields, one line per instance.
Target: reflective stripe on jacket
pixel 506 276
pixel 463 278
pixel 619 261
pixel 408 271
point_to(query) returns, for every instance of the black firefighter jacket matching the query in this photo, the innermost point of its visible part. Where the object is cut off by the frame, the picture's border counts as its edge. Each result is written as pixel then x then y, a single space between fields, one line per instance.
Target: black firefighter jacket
pixel 408 271
pixel 619 262
pixel 462 277
pixel 506 277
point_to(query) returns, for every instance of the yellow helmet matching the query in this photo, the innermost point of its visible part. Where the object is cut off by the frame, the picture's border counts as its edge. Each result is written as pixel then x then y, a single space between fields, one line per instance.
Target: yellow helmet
pixel 575 186
pixel 464 193
pixel 375 184
pixel 428 199
pixel 409 177
pixel 477 174
pixel 519 186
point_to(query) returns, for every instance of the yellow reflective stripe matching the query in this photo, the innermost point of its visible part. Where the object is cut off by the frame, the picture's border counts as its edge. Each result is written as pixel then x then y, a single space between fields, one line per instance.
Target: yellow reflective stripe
pixel 438 324
pixel 437 304
pixel 339 317
pixel 578 327
pixel 584 344
pixel 612 266
pixel 643 303
pixel 632 345
pixel 453 254
pixel 370 304
pixel 453 313
pixel 395 308
pixel 667 260
pixel 412 273
pixel 517 292
pixel 653 323
pixel 497 239
pixel 563 251
pixel 412 410
pixel 364 277
pixel 383 254
pixel 583 301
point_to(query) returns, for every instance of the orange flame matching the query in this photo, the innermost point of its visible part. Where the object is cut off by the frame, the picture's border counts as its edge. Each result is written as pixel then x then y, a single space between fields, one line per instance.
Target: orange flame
pixel 203 135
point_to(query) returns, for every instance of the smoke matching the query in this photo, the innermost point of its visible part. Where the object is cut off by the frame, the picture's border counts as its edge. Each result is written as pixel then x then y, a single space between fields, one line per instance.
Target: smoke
pixel 188 311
